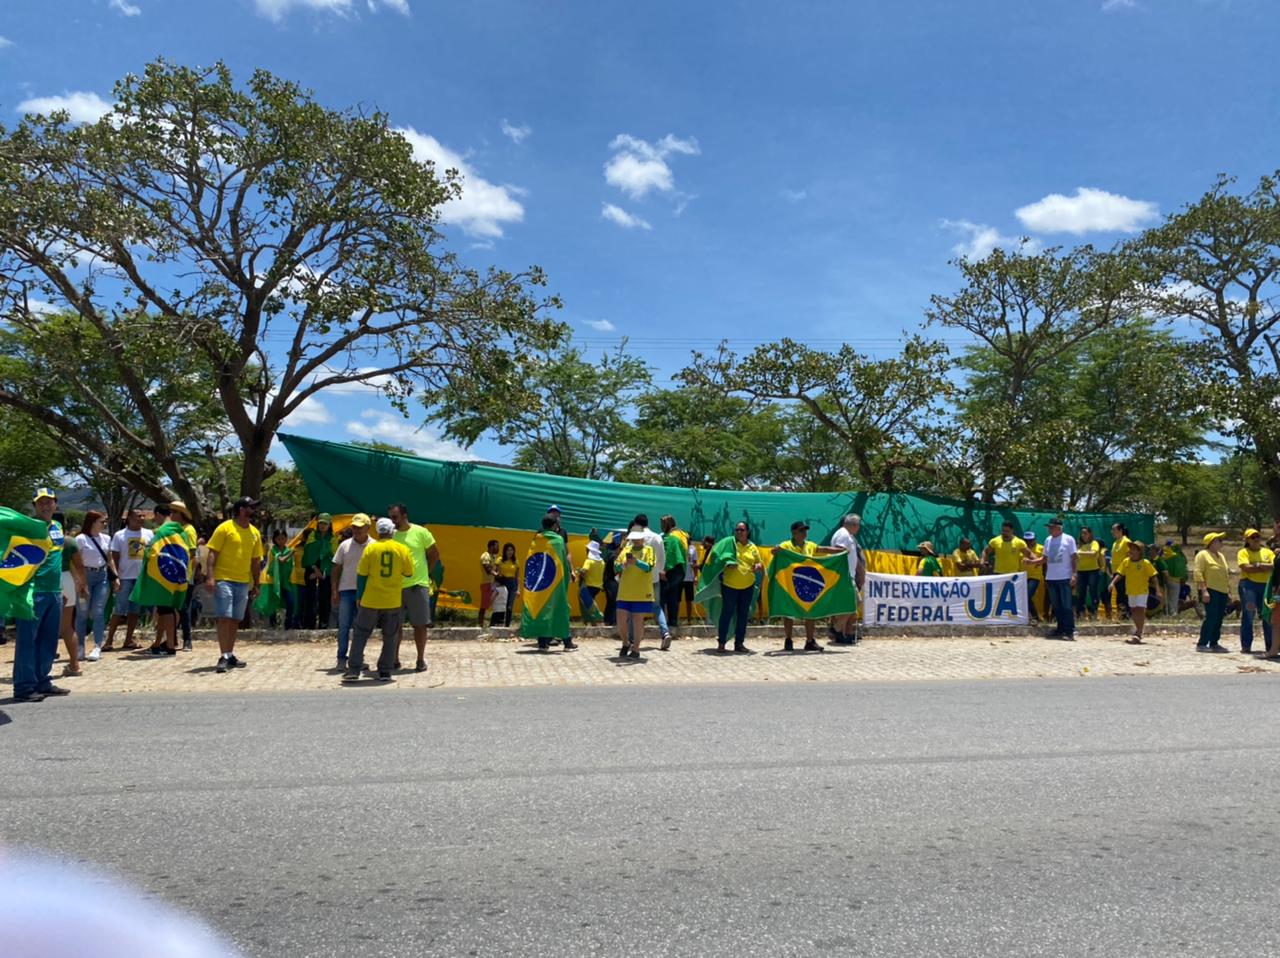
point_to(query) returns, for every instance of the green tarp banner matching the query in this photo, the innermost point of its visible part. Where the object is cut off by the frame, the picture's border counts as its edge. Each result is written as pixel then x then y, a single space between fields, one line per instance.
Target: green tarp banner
pixel 347 478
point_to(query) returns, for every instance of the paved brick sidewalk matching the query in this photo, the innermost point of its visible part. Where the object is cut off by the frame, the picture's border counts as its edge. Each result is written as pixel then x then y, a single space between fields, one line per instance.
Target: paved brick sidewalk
pixel 287 666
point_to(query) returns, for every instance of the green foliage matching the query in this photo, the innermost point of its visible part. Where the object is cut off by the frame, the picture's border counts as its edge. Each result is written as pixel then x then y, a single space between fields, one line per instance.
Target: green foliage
pixel 285 247
pixel 28 458
pixel 1215 263
pixel 576 418
pixel 886 415
pixel 1187 494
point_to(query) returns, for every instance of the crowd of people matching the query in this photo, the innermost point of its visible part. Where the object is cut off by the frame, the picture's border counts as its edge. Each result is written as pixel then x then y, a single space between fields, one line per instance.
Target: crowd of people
pixel 377 574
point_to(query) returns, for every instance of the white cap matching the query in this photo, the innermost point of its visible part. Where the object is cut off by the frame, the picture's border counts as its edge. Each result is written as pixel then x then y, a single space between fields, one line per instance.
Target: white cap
pixel 386 527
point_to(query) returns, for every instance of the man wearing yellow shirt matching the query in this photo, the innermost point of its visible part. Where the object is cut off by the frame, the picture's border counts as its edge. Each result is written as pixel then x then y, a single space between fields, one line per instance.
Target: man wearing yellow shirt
pixel 385 567
pixel 1255 561
pixel 235 563
pixel 1004 554
pixel 967 561
pixel 1033 562
pixel 799 543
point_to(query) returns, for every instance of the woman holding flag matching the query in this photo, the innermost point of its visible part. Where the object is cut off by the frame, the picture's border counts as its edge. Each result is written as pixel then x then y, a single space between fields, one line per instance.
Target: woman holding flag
pixel 735 563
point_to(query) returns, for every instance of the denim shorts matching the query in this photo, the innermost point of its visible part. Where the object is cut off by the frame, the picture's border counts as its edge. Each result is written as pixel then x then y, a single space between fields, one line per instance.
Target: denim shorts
pixel 635 607
pixel 123 605
pixel 230 599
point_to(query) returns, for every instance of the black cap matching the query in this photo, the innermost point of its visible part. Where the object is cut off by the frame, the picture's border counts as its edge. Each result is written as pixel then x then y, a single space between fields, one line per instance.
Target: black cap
pixel 245 502
pixel 1055 521
pixel 799 524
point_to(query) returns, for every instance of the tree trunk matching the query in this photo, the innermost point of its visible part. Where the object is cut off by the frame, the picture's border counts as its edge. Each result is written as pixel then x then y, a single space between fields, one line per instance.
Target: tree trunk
pixel 1269 458
pixel 255 462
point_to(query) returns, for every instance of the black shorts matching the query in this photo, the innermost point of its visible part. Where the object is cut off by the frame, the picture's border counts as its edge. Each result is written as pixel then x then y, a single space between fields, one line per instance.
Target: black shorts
pixel 688 588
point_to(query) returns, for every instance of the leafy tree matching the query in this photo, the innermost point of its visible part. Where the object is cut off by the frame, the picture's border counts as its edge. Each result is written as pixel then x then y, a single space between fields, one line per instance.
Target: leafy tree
pixel 1245 501
pixel 58 372
pixel 886 415
pixel 1215 263
pixel 1025 310
pixel 27 458
pixel 576 419
pixel 812 458
pixel 289 247
pixel 701 439
pixel 1188 494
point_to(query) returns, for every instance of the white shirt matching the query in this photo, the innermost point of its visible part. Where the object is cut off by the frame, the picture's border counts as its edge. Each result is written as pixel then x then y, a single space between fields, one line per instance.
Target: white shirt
pixel 844 539
pixel 693 554
pixel 348 557
pixel 654 542
pixel 1058 551
pixel 129 547
pixel 89 554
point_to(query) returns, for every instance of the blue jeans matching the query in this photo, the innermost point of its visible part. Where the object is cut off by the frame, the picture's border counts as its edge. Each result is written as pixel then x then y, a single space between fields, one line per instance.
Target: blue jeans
pixel 1087 590
pixel 37 644
pixel 95 610
pixel 1251 594
pixel 1032 586
pixel 346 618
pixel 658 612
pixel 1214 611
pixel 1061 600
pixel 736 605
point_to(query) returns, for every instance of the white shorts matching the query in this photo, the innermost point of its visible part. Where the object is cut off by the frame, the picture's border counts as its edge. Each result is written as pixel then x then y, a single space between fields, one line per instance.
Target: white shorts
pixel 68 589
pixel 499 598
pixel 1138 601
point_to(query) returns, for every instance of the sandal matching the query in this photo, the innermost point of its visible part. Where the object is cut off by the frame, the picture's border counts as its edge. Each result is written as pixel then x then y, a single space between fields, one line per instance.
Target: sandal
pixel 1134 640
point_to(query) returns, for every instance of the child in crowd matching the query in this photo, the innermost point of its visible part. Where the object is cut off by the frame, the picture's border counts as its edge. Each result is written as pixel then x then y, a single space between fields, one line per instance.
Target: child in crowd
pixel 1137 574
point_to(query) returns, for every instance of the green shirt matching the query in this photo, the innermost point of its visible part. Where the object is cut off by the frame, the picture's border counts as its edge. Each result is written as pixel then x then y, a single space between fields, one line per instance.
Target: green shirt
pixel 48 577
pixel 418 539
pixel 930 566
pixel 319 552
pixel 1176 565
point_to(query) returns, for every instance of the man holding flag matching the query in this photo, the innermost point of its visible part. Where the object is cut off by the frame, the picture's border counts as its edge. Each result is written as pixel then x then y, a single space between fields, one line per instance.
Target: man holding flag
pixel 31 592
pixel 162 581
pixel 800 545
pixel 809 583
pixel 545 613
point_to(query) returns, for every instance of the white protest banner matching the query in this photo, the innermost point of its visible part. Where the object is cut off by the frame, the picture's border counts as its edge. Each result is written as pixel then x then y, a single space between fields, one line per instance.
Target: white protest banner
pixel 890 600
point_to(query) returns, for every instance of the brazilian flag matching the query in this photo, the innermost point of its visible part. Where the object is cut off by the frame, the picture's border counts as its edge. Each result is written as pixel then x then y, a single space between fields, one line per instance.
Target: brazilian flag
pixel 545 614
pixel 707 594
pixel 810 587
pixel 24 545
pixel 163 579
pixel 271 585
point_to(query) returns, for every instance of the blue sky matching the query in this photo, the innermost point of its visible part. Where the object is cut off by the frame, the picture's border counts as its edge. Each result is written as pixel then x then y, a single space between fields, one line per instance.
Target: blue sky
pixel 690 172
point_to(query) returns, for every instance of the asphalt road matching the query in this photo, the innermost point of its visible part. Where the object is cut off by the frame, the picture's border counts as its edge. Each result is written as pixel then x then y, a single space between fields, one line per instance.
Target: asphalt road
pixel 1089 817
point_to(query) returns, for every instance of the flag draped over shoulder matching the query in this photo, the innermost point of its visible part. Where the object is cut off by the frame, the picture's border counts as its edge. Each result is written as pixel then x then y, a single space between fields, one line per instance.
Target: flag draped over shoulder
pixel 163 579
pixel 24 545
pixel 810 587
pixel 545 614
pixel 271 586
pixel 707 594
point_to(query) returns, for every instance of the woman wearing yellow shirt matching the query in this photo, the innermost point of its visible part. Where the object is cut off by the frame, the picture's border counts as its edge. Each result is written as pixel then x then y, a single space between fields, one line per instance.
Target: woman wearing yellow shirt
pixel 1136 572
pixel 591 583
pixel 508 567
pixel 737 585
pixel 634 566
pixel 1254 561
pixel 1119 553
pixel 1033 562
pixel 1213 584
pixel 1089 560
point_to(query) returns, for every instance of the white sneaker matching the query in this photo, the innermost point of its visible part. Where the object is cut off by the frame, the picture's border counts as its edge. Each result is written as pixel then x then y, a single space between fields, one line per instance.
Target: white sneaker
pixel 94 655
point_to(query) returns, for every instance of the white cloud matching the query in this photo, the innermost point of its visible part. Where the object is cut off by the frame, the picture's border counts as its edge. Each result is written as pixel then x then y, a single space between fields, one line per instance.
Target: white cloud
pixel 310 412
pixel 979 240
pixel 484 207
pixel 1109 5
pixel 376 425
pixel 1089 210
pixel 125 8
pixel 516 134
pixel 82 107
pixel 277 10
pixel 639 167
pixel 795 196
pixel 601 325
pixel 5 42
pixel 616 214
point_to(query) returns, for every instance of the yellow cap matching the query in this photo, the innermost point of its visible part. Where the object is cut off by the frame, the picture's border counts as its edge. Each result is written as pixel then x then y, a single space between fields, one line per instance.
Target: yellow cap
pixel 361 520
pixel 1250 533
pixel 44 492
pixel 1213 537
